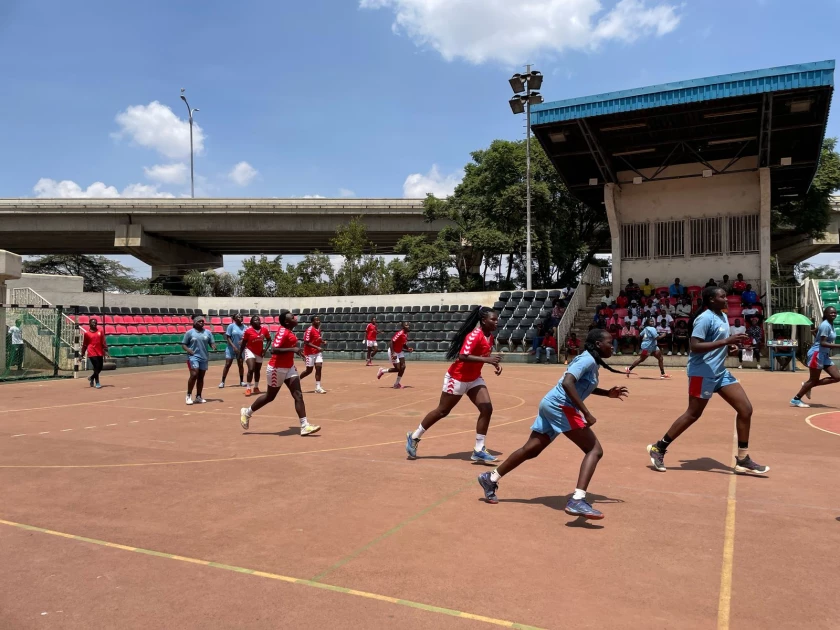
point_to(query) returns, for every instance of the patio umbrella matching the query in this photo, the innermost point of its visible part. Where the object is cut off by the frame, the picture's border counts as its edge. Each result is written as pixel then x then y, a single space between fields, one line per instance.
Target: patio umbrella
pixel 790 319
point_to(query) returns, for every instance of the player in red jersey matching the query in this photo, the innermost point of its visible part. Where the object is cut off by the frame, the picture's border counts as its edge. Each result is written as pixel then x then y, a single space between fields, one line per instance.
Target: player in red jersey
pixel 370 341
pixel 471 347
pixel 397 348
pixel 281 369
pixel 96 347
pixel 255 340
pixel 312 345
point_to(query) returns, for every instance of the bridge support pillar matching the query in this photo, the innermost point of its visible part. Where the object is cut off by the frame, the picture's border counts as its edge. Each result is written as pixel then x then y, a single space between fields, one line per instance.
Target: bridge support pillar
pixel 166 258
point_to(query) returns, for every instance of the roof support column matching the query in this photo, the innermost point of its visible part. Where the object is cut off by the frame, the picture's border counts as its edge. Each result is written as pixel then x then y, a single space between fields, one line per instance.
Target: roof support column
pixel 166 258
pixel 611 202
pixel 764 229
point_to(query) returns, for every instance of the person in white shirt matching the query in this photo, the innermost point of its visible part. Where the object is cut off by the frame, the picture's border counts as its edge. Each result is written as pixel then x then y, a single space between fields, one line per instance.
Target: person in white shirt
pixel 631 319
pixel 737 328
pixel 663 314
pixel 667 307
pixel 16 351
pixel 749 312
pixel 683 309
pixel 664 329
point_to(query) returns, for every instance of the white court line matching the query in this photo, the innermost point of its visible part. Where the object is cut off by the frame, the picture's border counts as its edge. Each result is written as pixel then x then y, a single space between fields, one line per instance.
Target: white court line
pixel 43 432
pixel 90 427
pixel 19 435
pixel 63 430
pixel 111 425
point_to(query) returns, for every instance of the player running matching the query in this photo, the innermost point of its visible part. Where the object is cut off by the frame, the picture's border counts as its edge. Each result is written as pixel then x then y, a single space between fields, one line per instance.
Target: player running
pixel 312 345
pixel 562 411
pixel 233 349
pixel 471 349
pixel 819 358
pixel 281 369
pixel 255 341
pixel 649 339
pixel 370 341
pixel 397 348
pixel 96 347
pixel 195 343
pixel 707 375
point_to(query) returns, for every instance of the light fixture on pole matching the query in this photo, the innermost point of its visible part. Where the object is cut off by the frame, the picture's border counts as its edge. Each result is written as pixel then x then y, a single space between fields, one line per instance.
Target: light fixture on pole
pixel 525 87
pixel 192 167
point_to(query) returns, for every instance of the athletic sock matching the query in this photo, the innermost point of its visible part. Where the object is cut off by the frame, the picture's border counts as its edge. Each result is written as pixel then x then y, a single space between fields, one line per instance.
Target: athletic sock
pixel 664 443
pixel 479 441
pixel 303 422
pixel 397 382
pixel 743 449
pixel 579 494
pixel 797 397
pixel 317 384
pixel 249 412
pixel 418 433
pixel 495 476
pixel 662 371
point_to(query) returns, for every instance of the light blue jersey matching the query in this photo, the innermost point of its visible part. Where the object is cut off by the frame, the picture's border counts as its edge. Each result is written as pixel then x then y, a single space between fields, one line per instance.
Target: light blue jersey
pixel 649 337
pixel 198 342
pixel 824 330
pixel 235 333
pixel 585 370
pixel 709 327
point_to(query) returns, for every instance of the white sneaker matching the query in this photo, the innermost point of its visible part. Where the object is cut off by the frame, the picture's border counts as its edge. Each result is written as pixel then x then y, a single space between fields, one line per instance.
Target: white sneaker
pixel 199 400
pixel 309 429
pixel 244 418
pixel 320 390
pixel 189 400
pixel 669 353
pixel 243 384
pixel 222 385
pixel 740 367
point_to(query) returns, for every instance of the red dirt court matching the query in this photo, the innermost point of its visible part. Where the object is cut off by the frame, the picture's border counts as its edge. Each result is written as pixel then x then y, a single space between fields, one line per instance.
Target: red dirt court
pixel 124 508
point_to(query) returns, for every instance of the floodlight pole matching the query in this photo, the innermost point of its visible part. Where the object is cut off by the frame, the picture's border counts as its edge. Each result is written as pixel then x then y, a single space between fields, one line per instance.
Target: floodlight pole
pixel 528 179
pixel 192 167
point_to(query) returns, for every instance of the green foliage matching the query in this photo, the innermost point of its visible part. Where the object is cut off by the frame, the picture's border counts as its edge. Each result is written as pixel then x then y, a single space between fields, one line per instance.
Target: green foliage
pixel 361 273
pixel 99 273
pixel 211 284
pixel 820 272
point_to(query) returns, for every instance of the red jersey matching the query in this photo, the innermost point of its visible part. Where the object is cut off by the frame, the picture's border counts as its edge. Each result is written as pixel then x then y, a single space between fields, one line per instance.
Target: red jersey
pixel 572 343
pixel 370 333
pixel 284 338
pixel 550 342
pixel 95 343
pixel 398 341
pixel 254 339
pixel 313 336
pixel 477 345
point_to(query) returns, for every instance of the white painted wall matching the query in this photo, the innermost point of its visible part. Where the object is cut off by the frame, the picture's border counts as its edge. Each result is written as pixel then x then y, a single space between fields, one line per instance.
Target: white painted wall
pixel 40 282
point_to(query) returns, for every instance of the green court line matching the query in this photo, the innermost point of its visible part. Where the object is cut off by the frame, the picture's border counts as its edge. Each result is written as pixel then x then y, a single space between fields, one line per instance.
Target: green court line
pixel 355 554
pixel 283 578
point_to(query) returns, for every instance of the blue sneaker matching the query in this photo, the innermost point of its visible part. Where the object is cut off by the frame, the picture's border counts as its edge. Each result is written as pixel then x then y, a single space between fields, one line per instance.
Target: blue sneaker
pixel 483 456
pixel 411 446
pixel 98 386
pixel 579 507
pixel 489 487
pixel 798 403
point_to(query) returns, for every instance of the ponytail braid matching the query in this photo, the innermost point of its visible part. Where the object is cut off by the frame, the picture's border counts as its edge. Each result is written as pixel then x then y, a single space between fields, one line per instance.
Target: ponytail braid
pixel 591 346
pixel 475 317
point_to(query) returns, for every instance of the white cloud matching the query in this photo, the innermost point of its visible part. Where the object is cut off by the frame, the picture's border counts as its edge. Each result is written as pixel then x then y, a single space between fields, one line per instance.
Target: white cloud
pixel 312 197
pixel 167 173
pixel 155 126
pixel 242 174
pixel 346 192
pixel 418 185
pixel 513 32
pixel 67 189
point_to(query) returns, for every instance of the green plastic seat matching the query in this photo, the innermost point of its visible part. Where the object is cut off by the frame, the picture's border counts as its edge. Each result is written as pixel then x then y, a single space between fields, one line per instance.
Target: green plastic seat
pixel 828 285
pixel 116 352
pixel 830 296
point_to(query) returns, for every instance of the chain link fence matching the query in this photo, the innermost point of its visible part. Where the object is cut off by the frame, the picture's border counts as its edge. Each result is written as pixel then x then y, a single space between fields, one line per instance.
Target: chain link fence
pixel 37 343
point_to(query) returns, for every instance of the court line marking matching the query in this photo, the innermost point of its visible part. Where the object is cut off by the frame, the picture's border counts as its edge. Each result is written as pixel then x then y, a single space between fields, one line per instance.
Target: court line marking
pixel 728 561
pixel 387 534
pixel 91 402
pixel 813 426
pixel 252 457
pixel 275 576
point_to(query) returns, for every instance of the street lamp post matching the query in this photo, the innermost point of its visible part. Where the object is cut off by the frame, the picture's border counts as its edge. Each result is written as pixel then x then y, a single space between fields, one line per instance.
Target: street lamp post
pixel 525 88
pixel 192 167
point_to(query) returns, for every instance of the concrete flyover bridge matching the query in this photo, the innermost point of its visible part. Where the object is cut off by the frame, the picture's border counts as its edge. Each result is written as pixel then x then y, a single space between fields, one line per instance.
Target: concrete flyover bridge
pixel 175 235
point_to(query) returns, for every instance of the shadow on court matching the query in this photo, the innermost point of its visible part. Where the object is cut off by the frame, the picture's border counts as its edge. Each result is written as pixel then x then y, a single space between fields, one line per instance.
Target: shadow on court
pixel 289 431
pixel 702 464
pixel 464 457
pixel 559 502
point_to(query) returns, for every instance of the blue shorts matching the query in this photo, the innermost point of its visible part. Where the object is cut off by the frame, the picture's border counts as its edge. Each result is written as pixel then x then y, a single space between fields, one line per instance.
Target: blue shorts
pixel 230 353
pixel 553 420
pixel 818 360
pixel 197 363
pixel 704 387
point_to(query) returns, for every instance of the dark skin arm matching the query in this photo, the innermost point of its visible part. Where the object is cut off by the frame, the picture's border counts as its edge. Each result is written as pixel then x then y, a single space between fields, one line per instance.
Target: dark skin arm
pixel 491 360
pixel 569 381
pixel 699 347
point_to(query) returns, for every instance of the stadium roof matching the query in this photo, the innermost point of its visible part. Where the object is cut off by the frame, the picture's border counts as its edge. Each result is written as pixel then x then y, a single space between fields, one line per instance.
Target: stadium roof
pixel 774 114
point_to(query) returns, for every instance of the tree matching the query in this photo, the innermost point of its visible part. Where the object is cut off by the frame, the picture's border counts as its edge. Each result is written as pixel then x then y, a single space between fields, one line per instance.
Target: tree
pixel 313 276
pixel 811 214
pixel 488 215
pixel 424 267
pixel 261 277
pixel 211 284
pixel 99 273
pixel 361 273
pixel 806 271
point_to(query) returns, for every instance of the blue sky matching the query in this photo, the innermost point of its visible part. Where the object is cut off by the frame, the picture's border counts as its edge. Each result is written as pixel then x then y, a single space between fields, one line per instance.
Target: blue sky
pixel 370 98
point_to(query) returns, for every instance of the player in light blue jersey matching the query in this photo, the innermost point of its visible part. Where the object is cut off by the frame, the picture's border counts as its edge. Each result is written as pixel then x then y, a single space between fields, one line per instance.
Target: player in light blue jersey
pixel 819 358
pixel 708 375
pixel 649 338
pixel 562 411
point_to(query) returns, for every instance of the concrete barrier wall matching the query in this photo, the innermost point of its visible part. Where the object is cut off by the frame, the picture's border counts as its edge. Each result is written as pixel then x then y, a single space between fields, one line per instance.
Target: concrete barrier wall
pixel 42 283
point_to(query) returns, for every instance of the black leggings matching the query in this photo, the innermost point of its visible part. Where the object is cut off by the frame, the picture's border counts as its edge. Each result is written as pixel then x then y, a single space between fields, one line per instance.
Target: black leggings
pixel 97 363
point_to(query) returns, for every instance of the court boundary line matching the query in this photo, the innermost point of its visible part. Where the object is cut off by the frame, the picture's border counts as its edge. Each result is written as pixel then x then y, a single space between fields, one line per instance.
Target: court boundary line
pixel 245 458
pixel 728 560
pixel 275 576
pixel 822 413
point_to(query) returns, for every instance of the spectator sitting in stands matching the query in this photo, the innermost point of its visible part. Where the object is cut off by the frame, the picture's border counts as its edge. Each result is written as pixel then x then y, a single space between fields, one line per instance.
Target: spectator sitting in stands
pixel 676 290
pixel 615 333
pixel 749 311
pixel 622 300
pixel 681 338
pixel 748 297
pixel 684 307
pixel 756 334
pixel 647 288
pixel 667 307
pixel 572 346
pixel 739 286
pixel 629 337
pixel 607 311
pixel 737 328
pixel 666 337
pixel 555 316
pixel 726 284
pixel 536 342
pixel 711 283
pixel 608 297
pixel 599 312
pixel 632 290
pixel 664 314
pixel 548 345
pixel 632 319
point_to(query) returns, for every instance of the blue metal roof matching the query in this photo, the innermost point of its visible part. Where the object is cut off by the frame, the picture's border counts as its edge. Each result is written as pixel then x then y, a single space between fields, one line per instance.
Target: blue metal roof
pixel 804 75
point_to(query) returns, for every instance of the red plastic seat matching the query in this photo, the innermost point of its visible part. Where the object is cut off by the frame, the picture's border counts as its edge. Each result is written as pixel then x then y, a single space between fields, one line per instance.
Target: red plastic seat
pixel 121 330
pixel 148 319
pixel 83 319
pixel 268 319
pixel 118 319
pixel 273 328
pixel 621 312
pixel 110 330
pixel 227 321
pixel 109 319
pixel 182 329
pixel 158 319
pixel 132 330
pixel 143 330
pixel 734 311
pixel 171 328
pixel 167 319
pixel 662 291
pixel 694 290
